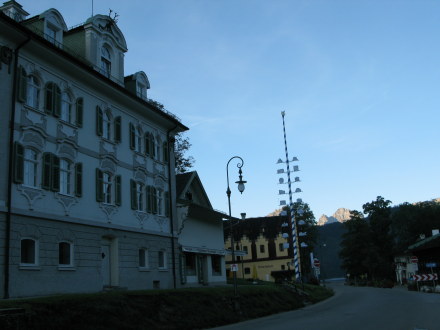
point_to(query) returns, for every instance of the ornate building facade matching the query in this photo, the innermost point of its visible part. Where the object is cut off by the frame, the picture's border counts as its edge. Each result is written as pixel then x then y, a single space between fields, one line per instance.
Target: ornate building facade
pixel 87 181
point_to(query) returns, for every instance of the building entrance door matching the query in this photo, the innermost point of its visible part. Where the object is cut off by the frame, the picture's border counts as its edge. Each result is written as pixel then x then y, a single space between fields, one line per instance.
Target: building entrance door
pixel 105 265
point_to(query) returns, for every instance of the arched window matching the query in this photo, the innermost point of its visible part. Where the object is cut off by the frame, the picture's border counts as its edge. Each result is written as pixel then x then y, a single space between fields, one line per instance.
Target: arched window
pixel 28 252
pixel 106 62
pixel 65 254
pixel 32 92
pixel 66 107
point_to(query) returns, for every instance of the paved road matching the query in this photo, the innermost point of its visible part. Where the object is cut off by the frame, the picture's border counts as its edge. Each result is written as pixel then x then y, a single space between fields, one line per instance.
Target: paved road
pixel 358 308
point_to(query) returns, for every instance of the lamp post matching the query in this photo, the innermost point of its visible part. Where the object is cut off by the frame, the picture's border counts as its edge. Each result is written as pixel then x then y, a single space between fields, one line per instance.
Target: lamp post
pixel 240 187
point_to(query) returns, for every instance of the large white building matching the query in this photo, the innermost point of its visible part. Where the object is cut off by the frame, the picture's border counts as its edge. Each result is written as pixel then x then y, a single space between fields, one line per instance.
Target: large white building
pixel 87 181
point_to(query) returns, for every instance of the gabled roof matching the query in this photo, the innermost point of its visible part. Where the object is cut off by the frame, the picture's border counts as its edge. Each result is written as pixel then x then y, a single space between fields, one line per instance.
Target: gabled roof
pixel 184 182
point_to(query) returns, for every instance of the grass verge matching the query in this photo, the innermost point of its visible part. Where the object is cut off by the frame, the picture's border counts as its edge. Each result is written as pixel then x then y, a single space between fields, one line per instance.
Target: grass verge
pixel 160 309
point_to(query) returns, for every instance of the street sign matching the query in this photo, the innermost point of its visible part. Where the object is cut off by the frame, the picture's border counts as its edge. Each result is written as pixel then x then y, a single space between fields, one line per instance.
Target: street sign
pixel 414 259
pixel 426 277
pixel 234 267
pixel 316 263
pixel 431 265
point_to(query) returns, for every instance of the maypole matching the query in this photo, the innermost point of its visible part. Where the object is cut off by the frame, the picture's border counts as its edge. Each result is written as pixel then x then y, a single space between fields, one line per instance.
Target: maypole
pixel 295 245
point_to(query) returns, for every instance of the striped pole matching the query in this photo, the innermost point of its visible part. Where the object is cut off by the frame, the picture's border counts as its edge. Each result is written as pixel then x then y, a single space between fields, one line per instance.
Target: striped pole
pixel 295 246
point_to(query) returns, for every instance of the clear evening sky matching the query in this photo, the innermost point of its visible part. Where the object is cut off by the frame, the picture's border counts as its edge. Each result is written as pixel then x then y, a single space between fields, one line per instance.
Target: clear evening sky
pixel 359 81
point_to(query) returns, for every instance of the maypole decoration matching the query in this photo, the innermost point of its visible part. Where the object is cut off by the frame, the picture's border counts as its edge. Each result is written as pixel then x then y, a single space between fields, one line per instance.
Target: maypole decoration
pixel 295 245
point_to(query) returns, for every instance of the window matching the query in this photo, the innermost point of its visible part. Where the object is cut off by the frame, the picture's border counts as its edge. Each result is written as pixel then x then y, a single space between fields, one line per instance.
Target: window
pixel 283 267
pixel 135 138
pixel 247 270
pixel 32 92
pixel 137 195
pixel 141 90
pixel 66 107
pixel 158 201
pixel 281 247
pixel 216 265
pixel 106 126
pixel 28 252
pixel 162 262
pixel 30 167
pixel 65 253
pixel 65 177
pixel 51 33
pixel 108 188
pixel 165 156
pixel 150 145
pixel 190 264
pixel 106 63
pixel 52 99
pixel 51 172
pixel 262 248
pixel 245 249
pixel 143 258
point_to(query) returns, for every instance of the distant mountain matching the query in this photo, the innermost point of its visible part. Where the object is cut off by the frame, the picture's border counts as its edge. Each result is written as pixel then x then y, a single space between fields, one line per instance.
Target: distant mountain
pixel 341 215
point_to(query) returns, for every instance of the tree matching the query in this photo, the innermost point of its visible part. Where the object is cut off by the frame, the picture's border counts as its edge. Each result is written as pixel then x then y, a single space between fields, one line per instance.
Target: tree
pixel 381 253
pixel 181 146
pixel 356 245
pixel 306 223
pixel 410 221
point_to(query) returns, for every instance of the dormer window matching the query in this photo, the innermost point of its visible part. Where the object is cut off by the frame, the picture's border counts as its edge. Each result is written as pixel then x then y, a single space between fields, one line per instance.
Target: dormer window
pixel 141 90
pixel 106 63
pixel 51 34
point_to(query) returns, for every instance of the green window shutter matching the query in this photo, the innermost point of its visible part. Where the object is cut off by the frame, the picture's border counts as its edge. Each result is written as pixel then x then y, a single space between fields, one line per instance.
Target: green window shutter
pixel 78 179
pixel 133 195
pixel 152 146
pixel 149 200
pixel 55 179
pixel 19 163
pixel 79 112
pixel 46 173
pixel 167 203
pixel 49 98
pixel 154 200
pixel 118 192
pixel 56 101
pixel 118 129
pixel 132 136
pixel 99 185
pixel 147 144
pixel 165 152
pixel 99 115
pixel 22 85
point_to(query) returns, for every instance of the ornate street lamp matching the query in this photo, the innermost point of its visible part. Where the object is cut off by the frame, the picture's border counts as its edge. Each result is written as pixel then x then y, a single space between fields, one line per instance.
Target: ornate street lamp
pixel 240 187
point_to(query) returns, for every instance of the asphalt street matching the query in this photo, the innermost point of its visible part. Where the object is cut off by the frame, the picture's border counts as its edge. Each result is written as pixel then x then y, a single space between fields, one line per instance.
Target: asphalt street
pixel 358 308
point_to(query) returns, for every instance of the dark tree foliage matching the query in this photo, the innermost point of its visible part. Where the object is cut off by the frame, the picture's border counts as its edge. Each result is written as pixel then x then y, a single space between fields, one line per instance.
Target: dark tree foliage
pixel 181 146
pixel 356 245
pixel 306 223
pixel 381 252
pixel 369 246
pixel 410 221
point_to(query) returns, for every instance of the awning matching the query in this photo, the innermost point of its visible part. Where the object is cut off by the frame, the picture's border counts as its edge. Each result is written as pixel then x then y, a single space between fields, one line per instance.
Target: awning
pixel 203 250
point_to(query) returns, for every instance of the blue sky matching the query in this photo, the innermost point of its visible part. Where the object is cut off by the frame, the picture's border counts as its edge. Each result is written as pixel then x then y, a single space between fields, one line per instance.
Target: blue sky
pixel 359 81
